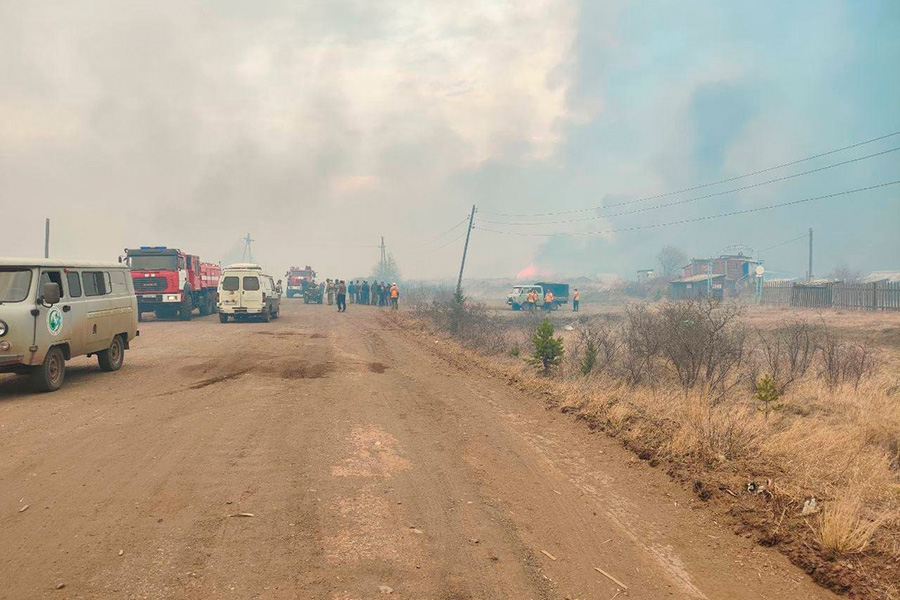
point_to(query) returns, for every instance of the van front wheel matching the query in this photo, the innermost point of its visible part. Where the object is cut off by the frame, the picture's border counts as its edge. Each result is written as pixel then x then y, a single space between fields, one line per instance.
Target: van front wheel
pixel 112 358
pixel 50 375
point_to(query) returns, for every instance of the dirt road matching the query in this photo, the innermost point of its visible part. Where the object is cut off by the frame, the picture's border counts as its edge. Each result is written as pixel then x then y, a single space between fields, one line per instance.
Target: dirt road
pixel 370 466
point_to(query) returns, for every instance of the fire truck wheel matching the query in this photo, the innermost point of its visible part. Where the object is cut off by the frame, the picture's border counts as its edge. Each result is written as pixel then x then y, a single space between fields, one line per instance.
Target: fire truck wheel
pixel 223 318
pixel 186 310
pixel 111 359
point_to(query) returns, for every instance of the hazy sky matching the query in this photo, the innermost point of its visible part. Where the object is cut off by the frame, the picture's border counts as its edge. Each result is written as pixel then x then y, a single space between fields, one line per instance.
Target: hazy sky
pixel 320 126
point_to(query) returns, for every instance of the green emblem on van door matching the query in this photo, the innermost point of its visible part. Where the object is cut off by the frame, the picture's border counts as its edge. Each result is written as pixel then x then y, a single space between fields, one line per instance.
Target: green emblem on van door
pixel 54 321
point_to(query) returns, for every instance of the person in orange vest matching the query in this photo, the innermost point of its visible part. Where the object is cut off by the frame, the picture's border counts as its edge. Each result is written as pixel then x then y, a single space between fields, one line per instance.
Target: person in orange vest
pixel 395 296
pixel 530 300
pixel 576 300
pixel 548 301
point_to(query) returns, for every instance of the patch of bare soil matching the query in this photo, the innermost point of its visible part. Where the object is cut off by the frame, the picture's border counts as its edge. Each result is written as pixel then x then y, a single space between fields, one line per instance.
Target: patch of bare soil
pixel 377 367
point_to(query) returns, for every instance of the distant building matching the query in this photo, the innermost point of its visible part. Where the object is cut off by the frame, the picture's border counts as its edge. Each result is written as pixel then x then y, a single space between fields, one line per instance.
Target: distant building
pixel 724 275
pixel 645 274
pixel 892 276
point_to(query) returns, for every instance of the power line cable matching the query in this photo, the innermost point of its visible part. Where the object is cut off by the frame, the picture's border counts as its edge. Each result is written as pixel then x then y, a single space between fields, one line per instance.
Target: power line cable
pixel 456 239
pixel 790 241
pixel 697 187
pixel 693 220
pixel 688 200
pixel 439 236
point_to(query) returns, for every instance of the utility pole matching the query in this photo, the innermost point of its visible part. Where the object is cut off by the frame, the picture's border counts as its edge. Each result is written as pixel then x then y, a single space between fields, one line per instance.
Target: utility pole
pixel 247 255
pixel 465 250
pixel 810 272
pixel 383 255
pixel 47 238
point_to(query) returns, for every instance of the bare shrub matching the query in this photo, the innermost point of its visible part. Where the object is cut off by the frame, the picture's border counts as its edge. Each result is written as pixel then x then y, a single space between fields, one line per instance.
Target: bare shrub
pixel 597 347
pixel 702 342
pixel 471 322
pixel 844 362
pixel 786 354
pixel 641 344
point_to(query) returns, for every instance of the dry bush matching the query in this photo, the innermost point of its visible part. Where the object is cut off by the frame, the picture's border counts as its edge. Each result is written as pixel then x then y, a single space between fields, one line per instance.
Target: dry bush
pixel 471 322
pixel 844 362
pixel 703 343
pixel 785 354
pixel 714 433
pixel 641 344
pixel 843 528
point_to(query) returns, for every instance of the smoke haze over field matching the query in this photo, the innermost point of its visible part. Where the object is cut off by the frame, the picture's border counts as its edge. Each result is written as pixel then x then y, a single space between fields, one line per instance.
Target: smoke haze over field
pixel 318 127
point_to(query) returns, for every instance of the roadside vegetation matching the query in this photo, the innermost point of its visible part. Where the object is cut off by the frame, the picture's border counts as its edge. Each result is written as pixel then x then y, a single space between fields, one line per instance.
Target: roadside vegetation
pixel 790 427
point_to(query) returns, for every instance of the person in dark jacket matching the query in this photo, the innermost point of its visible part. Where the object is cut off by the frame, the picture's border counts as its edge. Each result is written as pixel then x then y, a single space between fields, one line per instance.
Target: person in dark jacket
pixel 341 289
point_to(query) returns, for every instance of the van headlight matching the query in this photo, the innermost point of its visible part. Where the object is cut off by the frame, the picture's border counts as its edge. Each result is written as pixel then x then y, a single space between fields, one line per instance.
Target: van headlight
pixel 4 328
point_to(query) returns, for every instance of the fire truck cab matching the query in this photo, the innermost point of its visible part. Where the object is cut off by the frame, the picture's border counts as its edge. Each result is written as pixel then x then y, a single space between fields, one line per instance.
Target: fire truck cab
pixel 170 283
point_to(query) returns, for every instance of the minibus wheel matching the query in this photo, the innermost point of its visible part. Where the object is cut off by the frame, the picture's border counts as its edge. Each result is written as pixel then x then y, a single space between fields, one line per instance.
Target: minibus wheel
pixel 50 375
pixel 111 359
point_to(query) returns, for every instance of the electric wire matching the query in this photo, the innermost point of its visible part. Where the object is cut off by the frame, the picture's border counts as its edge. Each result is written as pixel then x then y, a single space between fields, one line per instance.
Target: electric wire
pixel 695 219
pixel 456 239
pixel 439 236
pixel 790 241
pixel 688 200
pixel 700 186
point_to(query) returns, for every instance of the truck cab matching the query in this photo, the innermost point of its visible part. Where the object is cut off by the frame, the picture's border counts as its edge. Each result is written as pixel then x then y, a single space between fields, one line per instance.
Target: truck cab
pixel 171 283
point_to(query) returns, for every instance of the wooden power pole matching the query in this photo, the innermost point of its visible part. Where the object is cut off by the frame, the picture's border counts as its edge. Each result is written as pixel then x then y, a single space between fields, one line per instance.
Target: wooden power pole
pixel 47 238
pixel 810 271
pixel 462 266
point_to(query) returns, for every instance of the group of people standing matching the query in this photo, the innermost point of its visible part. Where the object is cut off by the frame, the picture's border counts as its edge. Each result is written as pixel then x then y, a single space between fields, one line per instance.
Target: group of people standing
pixel 376 294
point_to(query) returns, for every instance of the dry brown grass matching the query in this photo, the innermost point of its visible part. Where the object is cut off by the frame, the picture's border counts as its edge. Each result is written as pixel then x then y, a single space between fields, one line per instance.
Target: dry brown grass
pixel 836 441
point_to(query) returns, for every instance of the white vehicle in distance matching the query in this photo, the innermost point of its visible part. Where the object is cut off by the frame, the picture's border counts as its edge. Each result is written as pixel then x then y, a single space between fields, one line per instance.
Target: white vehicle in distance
pixel 51 311
pixel 245 292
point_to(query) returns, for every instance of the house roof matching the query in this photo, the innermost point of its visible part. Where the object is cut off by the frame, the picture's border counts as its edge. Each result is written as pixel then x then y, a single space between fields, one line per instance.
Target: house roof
pixel 701 277
pixel 881 276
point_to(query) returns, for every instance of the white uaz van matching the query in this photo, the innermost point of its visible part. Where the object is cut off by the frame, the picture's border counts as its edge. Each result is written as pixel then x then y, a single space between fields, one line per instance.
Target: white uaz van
pixel 53 310
pixel 245 291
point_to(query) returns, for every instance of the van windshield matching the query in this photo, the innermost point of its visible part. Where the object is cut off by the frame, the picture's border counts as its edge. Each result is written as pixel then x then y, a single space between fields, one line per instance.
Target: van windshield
pixel 14 284
pixel 230 284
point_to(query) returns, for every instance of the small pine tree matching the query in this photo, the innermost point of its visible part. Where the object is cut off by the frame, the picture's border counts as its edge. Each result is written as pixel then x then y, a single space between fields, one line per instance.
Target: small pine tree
pixel 548 351
pixel 767 393
pixel 590 357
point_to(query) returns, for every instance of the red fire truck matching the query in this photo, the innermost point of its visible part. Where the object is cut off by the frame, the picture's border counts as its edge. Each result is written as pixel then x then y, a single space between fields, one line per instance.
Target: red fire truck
pixel 170 283
pixel 297 279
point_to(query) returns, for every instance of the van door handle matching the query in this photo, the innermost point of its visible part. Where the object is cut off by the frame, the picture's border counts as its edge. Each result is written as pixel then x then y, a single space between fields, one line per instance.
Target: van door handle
pixel 66 308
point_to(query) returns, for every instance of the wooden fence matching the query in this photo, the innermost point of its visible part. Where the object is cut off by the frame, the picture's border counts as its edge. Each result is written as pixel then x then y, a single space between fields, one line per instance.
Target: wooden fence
pixel 881 295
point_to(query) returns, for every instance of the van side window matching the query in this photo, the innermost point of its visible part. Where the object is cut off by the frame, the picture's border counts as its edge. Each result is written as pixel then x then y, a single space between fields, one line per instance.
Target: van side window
pixel 74 282
pixel 251 283
pixel 119 286
pixel 94 283
pixel 230 283
pixel 51 277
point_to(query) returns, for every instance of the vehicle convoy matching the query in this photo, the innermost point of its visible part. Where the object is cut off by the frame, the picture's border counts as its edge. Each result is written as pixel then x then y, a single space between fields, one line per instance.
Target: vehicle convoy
pixel 519 294
pixel 298 279
pixel 170 283
pixel 245 291
pixel 51 311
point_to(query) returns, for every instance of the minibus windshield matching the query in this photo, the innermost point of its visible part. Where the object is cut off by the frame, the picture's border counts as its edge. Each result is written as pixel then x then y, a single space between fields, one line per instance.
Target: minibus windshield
pixel 14 284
